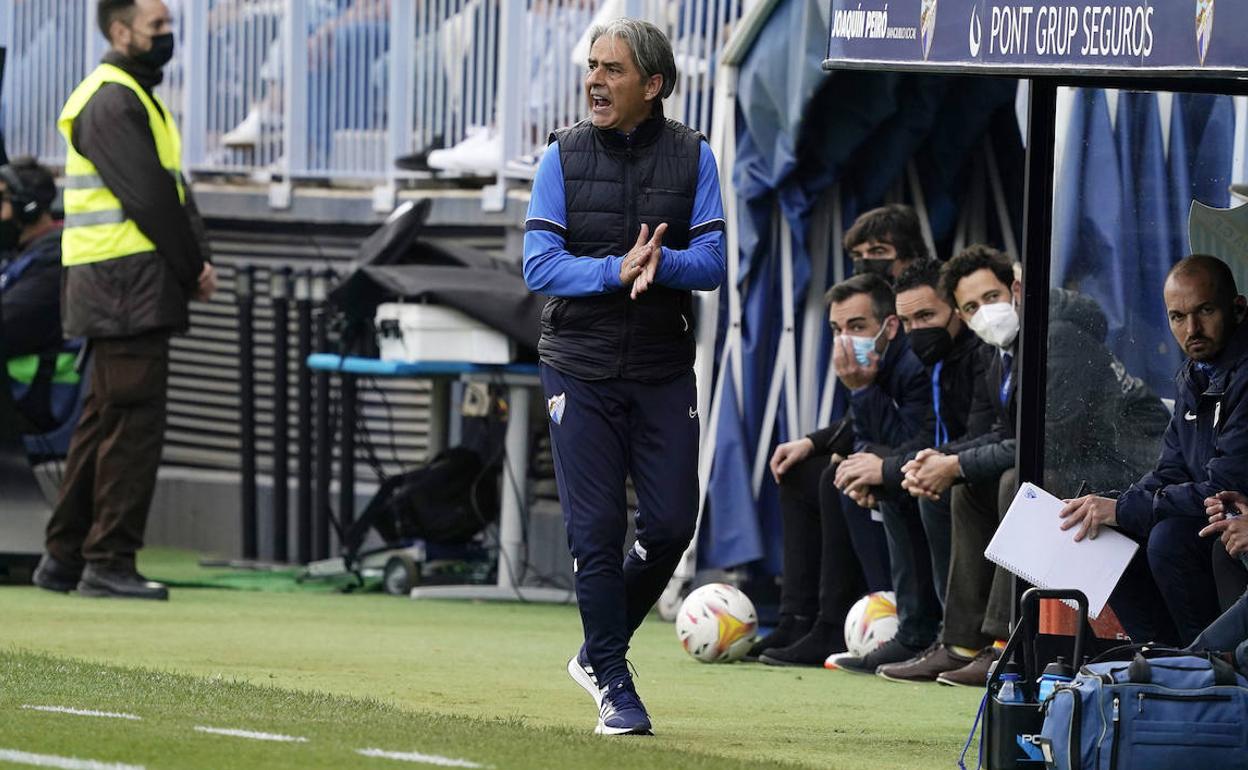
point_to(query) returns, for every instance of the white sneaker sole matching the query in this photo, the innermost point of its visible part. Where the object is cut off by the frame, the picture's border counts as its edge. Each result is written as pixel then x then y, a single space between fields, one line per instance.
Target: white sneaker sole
pixel 580 677
pixel 602 729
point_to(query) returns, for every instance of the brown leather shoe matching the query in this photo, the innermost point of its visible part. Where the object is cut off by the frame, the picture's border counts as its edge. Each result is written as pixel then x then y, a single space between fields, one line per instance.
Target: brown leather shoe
pixel 973 674
pixel 925 667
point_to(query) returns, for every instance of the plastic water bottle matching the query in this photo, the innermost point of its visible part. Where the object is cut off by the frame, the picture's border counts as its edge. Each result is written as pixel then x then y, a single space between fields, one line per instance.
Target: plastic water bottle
pixel 1009 691
pixel 1057 672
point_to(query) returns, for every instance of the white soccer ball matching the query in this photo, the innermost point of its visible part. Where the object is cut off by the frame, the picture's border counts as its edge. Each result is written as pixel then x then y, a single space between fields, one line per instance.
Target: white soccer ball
pixel 716 624
pixel 870 623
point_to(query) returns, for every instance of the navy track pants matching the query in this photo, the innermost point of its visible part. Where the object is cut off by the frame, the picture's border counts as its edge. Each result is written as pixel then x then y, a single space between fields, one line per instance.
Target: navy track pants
pixel 602 432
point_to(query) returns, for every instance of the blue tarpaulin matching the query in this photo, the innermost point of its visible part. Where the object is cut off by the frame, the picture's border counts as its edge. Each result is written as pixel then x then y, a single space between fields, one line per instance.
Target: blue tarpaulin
pixel 1120 219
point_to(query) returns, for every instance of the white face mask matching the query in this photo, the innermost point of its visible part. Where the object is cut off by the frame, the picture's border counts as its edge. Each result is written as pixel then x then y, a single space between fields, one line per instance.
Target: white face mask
pixel 997 324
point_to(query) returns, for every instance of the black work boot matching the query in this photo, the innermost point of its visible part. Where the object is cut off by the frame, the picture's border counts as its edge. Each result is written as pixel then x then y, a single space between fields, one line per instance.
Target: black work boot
pixel 789 630
pixel 54 575
pixel 119 583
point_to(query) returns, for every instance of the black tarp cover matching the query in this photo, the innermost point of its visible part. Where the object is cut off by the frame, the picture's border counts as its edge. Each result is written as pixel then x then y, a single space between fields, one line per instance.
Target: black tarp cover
pixel 497 298
pixel 397 264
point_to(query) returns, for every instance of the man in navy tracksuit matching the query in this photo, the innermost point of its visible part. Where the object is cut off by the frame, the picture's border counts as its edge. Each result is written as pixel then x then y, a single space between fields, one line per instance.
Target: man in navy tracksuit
pixel 625 220
pixel 1204 451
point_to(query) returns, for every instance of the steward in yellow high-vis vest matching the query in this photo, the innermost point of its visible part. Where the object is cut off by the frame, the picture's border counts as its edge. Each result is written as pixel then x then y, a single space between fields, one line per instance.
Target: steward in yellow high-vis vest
pixel 132 250
pixel 134 256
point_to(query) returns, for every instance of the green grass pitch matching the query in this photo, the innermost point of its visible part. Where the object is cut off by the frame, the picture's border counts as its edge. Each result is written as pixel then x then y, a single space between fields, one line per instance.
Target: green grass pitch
pixel 482 683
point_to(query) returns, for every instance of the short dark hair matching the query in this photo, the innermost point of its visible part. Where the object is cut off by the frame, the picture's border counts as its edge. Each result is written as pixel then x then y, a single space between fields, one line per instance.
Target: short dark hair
pixel 972 259
pixel 37 181
pixel 896 225
pixel 925 272
pixel 1217 270
pixel 108 11
pixel 883 301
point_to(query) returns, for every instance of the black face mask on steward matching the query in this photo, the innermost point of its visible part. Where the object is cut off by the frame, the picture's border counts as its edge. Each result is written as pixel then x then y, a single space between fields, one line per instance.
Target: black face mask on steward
pixel 159 54
pixel 931 344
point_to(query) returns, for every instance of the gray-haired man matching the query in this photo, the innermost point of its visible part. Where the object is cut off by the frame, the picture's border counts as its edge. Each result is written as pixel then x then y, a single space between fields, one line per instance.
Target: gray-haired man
pixel 625 220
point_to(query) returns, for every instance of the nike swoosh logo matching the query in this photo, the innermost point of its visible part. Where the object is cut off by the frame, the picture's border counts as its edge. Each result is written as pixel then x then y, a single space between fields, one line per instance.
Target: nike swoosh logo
pixel 692 413
pixel 1189 417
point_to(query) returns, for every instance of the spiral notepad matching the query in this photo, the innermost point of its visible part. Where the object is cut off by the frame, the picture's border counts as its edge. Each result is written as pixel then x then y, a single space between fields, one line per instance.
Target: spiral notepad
pixel 1031 544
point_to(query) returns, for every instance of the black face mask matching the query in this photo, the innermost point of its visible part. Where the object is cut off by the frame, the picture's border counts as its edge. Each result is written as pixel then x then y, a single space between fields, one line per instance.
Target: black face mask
pixel 10 231
pixel 931 344
pixel 881 267
pixel 159 54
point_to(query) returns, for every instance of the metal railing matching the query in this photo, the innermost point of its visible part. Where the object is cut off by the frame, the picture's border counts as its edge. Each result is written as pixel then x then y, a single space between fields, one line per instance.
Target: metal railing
pixel 338 89
pixel 42 68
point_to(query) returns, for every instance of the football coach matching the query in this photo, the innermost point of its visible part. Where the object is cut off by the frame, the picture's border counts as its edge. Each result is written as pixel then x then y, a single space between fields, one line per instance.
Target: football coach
pixel 625 221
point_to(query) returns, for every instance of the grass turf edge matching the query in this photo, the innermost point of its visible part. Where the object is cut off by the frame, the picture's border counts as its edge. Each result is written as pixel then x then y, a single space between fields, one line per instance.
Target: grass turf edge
pixel 172 704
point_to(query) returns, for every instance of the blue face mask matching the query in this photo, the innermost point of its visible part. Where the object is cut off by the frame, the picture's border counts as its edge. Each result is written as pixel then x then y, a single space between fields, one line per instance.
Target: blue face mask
pixel 865 346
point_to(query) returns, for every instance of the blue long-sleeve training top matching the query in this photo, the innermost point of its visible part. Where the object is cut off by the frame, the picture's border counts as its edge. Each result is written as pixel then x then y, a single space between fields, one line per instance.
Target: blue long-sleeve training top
pixel 549 268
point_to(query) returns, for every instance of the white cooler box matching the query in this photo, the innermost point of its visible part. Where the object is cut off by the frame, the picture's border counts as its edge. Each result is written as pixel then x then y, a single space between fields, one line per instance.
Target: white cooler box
pixel 422 332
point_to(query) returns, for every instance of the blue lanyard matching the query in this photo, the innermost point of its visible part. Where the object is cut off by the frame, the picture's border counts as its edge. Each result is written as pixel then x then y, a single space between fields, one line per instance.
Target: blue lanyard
pixel 1008 360
pixel 942 433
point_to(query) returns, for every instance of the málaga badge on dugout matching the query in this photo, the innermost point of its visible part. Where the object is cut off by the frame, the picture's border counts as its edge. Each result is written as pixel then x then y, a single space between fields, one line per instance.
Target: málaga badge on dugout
pixel 927 25
pixel 555 405
pixel 1204 27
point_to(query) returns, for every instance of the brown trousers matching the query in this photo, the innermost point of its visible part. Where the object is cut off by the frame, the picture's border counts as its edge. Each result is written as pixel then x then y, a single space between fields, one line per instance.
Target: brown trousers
pixel 979 595
pixel 110 474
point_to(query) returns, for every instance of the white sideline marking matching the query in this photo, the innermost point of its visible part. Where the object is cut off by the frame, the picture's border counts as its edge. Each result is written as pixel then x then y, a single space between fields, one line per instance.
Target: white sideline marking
pixel 65 763
pixel 250 734
pixel 428 759
pixel 81 712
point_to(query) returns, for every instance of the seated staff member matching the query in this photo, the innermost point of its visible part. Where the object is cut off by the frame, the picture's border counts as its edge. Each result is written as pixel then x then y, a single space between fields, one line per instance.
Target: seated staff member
pixel 1100 423
pixel 833 551
pixel 30 296
pixel 1205 450
pixel 1228 522
pixel 30 279
pixel 954 356
pixel 885 241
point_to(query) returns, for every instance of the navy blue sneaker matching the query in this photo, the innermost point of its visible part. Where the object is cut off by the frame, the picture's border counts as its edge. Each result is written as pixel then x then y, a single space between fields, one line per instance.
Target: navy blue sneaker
pixel 583 674
pixel 621 712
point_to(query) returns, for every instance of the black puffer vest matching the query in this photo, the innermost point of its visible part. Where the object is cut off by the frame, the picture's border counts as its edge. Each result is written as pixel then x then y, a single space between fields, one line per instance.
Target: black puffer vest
pixel 613 183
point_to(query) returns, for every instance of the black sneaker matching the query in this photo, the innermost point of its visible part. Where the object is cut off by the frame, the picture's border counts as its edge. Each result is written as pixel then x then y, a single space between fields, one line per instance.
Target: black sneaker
pixel 892 652
pixel 54 575
pixel 790 629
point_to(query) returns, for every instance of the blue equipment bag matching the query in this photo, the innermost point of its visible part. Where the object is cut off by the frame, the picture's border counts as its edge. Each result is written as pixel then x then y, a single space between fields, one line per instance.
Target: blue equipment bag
pixel 1179 710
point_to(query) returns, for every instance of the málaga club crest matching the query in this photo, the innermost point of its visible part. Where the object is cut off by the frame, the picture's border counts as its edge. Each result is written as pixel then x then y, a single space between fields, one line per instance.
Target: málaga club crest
pixel 1204 27
pixel 927 25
